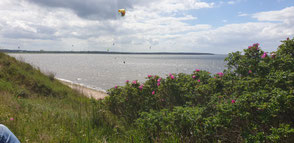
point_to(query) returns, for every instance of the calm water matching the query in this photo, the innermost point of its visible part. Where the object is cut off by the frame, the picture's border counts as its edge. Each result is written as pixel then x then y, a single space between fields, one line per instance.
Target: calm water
pixel 103 71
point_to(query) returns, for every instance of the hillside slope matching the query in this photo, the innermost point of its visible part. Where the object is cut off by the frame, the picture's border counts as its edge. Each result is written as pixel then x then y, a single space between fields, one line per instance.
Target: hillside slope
pixel 38 108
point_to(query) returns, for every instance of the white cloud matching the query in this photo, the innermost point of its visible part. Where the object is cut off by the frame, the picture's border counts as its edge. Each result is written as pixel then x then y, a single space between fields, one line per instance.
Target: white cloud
pixel 286 15
pixel 161 24
pixel 231 2
pixel 242 14
pixel 167 6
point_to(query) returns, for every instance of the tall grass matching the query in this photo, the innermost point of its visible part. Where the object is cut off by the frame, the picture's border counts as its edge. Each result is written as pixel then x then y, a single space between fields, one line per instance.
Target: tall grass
pixel 38 108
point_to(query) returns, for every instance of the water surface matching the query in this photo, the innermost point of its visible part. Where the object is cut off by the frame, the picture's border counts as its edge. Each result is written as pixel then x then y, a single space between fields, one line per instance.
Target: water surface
pixel 104 71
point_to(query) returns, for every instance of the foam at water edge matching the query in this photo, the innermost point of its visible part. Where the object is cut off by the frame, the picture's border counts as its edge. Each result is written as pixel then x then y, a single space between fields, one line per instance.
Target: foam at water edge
pixel 81 84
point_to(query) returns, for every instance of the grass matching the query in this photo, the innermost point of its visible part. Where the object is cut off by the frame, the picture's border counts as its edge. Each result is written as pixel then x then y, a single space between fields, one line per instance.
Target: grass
pixel 38 108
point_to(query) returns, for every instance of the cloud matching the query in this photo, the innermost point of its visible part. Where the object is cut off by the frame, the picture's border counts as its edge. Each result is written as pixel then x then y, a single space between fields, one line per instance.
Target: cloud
pixel 286 15
pixel 107 9
pixel 162 24
pixel 90 9
pixel 242 14
pixel 231 2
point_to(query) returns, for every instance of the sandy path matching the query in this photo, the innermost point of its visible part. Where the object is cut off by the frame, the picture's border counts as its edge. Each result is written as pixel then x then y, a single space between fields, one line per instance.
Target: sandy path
pixel 91 93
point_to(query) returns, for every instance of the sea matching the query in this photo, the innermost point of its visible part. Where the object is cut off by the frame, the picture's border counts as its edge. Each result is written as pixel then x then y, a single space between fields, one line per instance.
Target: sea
pixel 104 71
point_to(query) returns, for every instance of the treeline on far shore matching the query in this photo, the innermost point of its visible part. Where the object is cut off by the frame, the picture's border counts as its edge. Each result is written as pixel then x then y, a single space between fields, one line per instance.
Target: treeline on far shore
pixel 102 52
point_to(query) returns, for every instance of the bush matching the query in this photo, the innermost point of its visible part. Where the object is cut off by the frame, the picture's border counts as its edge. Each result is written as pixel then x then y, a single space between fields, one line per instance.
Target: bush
pixel 251 101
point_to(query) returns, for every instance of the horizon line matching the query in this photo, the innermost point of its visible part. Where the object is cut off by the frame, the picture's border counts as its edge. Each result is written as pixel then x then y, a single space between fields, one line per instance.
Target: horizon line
pixel 102 52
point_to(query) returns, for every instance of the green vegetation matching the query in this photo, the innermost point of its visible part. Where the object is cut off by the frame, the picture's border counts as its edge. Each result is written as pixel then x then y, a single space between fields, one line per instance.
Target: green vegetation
pixel 38 108
pixel 251 101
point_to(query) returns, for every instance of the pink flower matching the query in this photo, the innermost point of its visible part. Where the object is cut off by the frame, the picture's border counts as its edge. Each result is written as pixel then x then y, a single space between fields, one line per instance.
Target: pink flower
pixel 149 76
pixel 115 87
pixel 172 77
pixel 158 83
pixel 198 80
pixel 273 55
pixel 233 101
pixel 250 71
pixel 193 76
pixel 11 119
pixel 159 80
pixel 220 74
pixel 141 86
pixel 127 81
pixel 134 82
pixel 256 44
pixel 153 92
pixel 197 70
pixel 264 55
pixel 288 38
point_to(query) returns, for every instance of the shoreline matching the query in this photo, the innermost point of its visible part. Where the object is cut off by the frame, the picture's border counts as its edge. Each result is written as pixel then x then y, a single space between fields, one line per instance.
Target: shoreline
pixel 86 91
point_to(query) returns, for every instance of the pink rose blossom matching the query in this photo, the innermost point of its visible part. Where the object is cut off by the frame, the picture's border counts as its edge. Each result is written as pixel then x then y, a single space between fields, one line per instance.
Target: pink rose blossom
pixel 197 70
pixel 134 82
pixel 233 101
pixel 193 76
pixel 11 119
pixel 159 80
pixel 158 83
pixel 264 55
pixel 149 76
pixel 256 44
pixel 273 55
pixel 172 77
pixel 220 74
pixel 141 86
pixel 127 81
pixel 153 92
pixel 198 80
pixel 288 38
pixel 115 87
pixel 250 71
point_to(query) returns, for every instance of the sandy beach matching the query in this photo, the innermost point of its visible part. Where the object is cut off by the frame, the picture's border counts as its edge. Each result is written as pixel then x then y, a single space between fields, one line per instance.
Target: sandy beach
pixel 89 92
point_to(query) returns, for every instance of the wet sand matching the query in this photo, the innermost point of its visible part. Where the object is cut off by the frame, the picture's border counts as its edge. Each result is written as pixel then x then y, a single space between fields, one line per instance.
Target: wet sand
pixel 91 93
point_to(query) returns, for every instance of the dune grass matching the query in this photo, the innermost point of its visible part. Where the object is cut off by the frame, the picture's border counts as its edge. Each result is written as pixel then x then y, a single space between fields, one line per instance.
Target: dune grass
pixel 38 108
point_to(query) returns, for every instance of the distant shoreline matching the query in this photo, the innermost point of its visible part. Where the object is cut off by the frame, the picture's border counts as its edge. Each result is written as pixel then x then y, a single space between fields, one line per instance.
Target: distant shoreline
pixel 101 52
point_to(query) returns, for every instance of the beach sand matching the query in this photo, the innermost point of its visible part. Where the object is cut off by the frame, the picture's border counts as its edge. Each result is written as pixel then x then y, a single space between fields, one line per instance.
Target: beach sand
pixel 91 93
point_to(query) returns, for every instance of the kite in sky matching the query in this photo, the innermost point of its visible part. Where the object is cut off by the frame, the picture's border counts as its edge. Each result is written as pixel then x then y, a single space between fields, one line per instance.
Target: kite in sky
pixel 122 12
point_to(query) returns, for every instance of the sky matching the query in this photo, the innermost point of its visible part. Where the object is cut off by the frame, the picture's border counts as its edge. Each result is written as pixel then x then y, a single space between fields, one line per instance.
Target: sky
pixel 208 26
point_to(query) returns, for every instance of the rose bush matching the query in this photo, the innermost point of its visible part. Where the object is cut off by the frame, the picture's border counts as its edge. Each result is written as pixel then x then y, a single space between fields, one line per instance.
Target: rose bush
pixel 251 101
